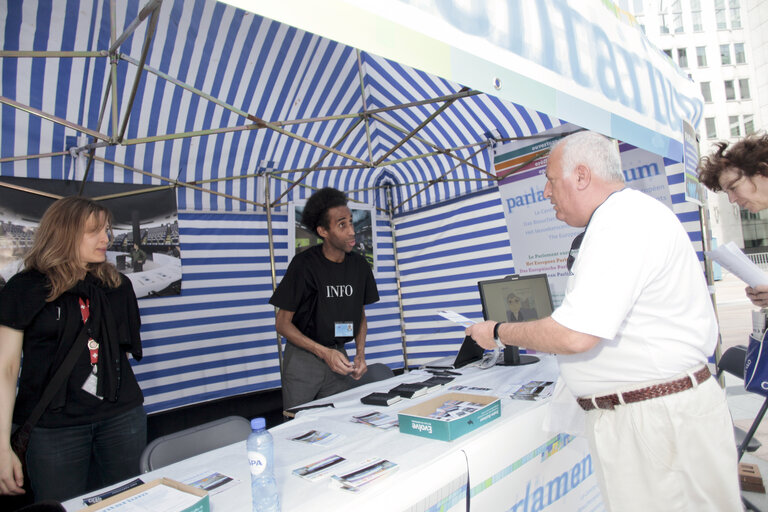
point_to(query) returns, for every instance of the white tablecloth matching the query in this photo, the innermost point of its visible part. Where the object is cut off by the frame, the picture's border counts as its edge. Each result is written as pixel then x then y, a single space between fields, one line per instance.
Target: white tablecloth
pixel 431 474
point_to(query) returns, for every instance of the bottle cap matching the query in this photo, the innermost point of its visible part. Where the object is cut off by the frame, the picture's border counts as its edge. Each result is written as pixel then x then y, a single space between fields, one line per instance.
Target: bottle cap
pixel 258 424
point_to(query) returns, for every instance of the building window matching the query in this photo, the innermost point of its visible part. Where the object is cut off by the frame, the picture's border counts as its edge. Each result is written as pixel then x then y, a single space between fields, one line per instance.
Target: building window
pixel 696 15
pixel 663 28
pixel 706 91
pixel 730 91
pixel 677 16
pixel 749 125
pixel 733 121
pixel 696 18
pixel 725 54
pixel 701 56
pixel 682 57
pixel 709 123
pixel 722 24
pixel 744 89
pixel 669 53
pixel 738 53
pixel 735 14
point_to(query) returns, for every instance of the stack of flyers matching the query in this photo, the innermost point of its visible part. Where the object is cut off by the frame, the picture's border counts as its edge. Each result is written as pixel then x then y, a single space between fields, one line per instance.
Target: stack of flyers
pixel 452 409
pixel 316 437
pixel 212 482
pixel 534 390
pixel 366 473
pixel 321 468
pixel 473 389
pixel 376 419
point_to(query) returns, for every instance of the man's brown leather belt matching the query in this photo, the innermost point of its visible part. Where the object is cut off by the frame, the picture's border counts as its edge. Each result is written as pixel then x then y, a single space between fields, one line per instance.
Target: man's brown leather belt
pixel 638 395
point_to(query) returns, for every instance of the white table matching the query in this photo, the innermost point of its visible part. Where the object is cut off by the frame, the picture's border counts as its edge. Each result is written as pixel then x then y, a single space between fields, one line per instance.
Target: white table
pixel 512 462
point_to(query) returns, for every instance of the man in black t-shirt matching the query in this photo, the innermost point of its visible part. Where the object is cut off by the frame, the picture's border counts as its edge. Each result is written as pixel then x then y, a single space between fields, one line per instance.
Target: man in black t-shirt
pixel 321 303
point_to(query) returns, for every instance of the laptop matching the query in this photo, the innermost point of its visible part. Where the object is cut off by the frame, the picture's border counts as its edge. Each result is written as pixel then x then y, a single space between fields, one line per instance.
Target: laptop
pixel 469 352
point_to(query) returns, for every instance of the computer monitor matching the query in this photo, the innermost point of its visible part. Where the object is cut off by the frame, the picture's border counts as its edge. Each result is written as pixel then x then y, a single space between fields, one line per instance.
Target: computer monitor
pixel 516 298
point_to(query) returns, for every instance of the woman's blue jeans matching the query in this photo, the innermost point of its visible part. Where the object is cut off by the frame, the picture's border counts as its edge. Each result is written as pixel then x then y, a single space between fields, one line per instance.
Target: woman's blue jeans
pixel 66 462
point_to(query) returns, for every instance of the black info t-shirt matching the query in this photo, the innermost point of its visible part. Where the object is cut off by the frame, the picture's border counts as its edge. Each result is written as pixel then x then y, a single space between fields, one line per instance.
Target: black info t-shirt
pixel 321 293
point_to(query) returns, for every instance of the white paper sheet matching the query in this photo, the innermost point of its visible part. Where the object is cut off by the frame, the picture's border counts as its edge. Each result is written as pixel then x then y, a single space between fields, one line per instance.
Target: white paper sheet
pixel 737 263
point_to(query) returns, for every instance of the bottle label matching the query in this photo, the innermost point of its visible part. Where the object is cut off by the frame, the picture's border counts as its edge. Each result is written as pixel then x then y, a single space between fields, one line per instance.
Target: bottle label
pixel 258 463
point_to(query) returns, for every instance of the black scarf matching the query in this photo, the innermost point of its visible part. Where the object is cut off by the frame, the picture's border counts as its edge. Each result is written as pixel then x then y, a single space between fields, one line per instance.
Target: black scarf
pixel 104 304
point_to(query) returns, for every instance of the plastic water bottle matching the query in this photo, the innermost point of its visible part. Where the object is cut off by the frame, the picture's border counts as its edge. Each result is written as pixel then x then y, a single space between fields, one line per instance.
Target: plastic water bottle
pixel 261 450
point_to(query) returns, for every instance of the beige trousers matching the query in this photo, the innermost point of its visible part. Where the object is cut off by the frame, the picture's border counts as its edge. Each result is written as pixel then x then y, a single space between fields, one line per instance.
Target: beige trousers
pixel 672 453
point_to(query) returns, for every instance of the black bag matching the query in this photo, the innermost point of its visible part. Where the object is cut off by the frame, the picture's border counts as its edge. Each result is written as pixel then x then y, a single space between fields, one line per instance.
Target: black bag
pixel 20 443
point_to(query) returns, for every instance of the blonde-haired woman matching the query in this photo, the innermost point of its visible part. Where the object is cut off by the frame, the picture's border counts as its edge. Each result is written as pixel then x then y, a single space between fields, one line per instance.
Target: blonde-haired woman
pixel 94 430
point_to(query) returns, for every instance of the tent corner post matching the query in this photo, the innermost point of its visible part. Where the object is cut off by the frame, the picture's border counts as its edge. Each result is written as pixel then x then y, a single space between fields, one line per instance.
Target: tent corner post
pixel 391 212
pixel 268 207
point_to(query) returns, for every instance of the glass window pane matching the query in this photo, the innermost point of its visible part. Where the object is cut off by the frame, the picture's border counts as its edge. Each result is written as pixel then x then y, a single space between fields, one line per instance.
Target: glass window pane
pixel 701 56
pixel 749 125
pixel 696 19
pixel 696 15
pixel 725 54
pixel 744 88
pixel 720 15
pixel 738 53
pixel 663 23
pixel 706 91
pixel 709 122
pixel 730 92
pixel 669 53
pixel 682 57
pixel 736 18
pixel 733 122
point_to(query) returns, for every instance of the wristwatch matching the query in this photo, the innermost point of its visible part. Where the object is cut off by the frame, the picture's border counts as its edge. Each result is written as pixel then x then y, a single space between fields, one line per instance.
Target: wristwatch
pixel 496 335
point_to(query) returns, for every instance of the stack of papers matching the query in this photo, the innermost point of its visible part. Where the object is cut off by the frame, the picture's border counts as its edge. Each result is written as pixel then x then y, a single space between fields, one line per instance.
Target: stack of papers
pixel 321 468
pixel 533 390
pixel 736 262
pixel 316 437
pixel 376 419
pixel 452 409
pixel 364 474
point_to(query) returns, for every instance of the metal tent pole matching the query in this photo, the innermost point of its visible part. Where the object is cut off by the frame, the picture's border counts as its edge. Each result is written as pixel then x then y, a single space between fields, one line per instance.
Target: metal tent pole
pixel 272 265
pixel 397 275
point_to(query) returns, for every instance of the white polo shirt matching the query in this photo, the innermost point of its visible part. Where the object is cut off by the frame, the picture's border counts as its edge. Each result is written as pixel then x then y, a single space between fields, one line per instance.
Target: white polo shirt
pixel 639 286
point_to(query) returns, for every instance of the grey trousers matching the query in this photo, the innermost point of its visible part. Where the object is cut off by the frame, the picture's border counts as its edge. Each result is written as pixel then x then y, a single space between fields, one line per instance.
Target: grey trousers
pixel 306 377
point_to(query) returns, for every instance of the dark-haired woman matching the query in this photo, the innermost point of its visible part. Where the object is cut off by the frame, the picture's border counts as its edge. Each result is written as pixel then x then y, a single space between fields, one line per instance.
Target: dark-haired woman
pixel 741 171
pixel 94 430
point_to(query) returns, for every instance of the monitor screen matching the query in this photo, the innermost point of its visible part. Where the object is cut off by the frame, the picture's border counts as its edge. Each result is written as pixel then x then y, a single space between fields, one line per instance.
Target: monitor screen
pixel 516 299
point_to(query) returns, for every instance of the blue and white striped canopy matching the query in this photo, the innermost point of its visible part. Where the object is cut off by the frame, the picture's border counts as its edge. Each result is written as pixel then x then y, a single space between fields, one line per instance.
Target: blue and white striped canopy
pixel 282 99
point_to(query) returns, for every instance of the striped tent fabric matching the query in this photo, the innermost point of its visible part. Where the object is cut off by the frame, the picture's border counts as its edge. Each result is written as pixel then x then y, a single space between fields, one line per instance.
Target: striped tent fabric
pixel 232 110
pixel 256 69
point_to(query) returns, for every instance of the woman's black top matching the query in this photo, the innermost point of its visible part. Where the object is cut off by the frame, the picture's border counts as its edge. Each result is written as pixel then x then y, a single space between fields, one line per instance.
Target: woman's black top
pixel 50 329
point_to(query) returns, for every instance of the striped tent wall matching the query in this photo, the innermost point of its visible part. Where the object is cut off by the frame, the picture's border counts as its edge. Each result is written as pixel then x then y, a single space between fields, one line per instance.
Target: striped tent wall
pixel 443 252
pixel 218 338
pixel 687 212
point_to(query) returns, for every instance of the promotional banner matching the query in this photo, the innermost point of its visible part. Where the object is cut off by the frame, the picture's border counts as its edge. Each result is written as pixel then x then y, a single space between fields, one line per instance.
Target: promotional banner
pixel 540 242
pixel 693 189
pixel 532 470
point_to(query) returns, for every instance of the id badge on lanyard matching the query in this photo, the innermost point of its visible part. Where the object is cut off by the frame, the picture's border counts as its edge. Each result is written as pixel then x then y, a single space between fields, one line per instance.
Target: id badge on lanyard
pixel 90 384
pixel 343 329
